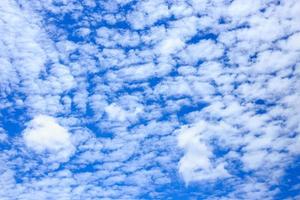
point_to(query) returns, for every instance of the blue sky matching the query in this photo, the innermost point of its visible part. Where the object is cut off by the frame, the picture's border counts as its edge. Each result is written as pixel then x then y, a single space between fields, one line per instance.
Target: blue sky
pixel 157 99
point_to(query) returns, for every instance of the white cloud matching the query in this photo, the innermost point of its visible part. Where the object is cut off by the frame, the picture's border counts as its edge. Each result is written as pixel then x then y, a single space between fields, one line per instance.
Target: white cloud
pixel 3 135
pixel 115 112
pixel 240 8
pixel 197 163
pixel 203 50
pixel 125 91
pixel 43 134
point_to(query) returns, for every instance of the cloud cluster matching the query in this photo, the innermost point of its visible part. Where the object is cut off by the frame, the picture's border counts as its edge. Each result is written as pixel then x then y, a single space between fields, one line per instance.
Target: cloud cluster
pixel 150 99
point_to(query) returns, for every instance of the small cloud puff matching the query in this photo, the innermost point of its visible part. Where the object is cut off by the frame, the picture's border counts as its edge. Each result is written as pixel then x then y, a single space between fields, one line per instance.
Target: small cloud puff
pixel 43 134
pixel 197 163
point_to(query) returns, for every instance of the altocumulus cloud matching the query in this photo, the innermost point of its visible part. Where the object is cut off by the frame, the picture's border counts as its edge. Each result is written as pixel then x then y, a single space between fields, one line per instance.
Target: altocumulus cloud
pixel 149 99
pixel 45 134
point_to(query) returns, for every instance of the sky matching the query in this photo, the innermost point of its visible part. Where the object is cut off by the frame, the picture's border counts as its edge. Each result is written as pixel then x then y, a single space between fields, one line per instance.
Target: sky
pixel 150 99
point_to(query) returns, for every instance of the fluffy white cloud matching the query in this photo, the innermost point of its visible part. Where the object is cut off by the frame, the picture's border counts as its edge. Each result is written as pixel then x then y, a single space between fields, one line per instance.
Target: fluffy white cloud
pixel 209 88
pixel 203 50
pixel 198 164
pixel 44 134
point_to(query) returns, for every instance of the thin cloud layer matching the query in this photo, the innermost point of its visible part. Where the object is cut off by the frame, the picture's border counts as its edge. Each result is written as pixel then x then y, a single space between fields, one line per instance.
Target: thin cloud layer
pixel 149 99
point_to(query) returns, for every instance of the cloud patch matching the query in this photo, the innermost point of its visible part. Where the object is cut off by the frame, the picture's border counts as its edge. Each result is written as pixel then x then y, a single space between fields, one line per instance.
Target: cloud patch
pixel 44 134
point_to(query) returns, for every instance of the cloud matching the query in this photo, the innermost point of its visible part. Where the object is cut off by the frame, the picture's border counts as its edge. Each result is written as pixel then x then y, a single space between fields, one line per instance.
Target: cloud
pixel 3 135
pixel 203 50
pixel 197 163
pixel 43 134
pixel 148 99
